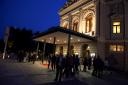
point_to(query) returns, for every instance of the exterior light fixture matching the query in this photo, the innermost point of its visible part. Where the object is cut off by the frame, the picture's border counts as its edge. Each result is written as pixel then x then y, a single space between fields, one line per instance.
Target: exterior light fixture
pixel 88 47
pixel 50 38
pixel 56 52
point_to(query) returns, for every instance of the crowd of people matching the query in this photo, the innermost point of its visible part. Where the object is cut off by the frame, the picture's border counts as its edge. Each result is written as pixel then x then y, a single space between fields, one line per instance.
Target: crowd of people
pixel 69 66
pixel 22 56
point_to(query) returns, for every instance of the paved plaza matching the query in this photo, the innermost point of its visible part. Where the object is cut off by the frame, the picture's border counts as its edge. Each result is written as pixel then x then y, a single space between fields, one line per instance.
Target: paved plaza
pixel 27 73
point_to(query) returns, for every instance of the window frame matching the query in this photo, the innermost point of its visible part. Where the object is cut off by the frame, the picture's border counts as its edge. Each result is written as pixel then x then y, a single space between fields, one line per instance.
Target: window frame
pixel 89 23
pixel 116 48
pixel 116 27
pixel 75 26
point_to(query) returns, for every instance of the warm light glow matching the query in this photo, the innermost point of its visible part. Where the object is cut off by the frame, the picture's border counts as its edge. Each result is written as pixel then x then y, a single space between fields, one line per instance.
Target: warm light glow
pixel 37 57
pixel 93 54
pixel 113 47
pixel 58 40
pixel 50 38
pixel 65 24
pixel 120 48
pixel 42 40
pixel 56 52
pixel 88 47
pixel 76 53
pixel 78 40
pixel 117 48
pixel 116 27
pixel 65 41
pixel 116 23
pixel 87 26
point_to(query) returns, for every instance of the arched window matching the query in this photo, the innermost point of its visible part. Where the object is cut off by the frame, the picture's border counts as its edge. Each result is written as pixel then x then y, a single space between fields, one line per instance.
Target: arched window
pixel 66 25
pixel 88 27
pixel 75 26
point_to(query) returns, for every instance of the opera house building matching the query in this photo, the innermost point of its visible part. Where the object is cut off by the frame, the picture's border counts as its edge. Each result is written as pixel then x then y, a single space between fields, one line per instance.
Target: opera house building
pixel 91 28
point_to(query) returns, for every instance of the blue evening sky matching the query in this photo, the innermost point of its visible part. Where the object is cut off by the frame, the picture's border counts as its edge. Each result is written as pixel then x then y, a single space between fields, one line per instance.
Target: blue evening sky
pixel 37 15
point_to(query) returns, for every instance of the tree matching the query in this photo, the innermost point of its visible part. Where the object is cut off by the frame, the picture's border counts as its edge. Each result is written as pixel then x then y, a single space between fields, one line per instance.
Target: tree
pixel 20 39
pixel 1 45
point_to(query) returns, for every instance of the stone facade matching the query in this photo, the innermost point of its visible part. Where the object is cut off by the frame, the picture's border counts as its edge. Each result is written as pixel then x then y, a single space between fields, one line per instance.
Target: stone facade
pixel 104 19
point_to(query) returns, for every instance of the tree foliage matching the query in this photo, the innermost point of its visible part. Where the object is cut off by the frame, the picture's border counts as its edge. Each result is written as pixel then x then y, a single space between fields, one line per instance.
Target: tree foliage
pixel 20 39
pixel 1 45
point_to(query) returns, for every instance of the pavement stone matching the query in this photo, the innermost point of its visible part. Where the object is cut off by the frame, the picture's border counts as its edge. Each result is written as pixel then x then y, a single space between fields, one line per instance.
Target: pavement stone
pixel 15 73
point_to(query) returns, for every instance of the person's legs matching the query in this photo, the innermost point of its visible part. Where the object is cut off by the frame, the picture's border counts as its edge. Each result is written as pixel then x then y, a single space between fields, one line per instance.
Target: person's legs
pixel 60 74
pixel 84 68
pixel 57 74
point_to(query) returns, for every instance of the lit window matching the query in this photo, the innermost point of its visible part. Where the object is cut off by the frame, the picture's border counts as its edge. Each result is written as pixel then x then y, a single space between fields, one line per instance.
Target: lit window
pixel 113 47
pixel 88 24
pixel 117 48
pixel 75 26
pixel 120 48
pixel 116 27
pixel 116 23
pixel 65 25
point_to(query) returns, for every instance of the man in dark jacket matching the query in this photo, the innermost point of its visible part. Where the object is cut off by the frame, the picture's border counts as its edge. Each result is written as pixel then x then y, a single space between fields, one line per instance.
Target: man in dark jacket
pixel 59 67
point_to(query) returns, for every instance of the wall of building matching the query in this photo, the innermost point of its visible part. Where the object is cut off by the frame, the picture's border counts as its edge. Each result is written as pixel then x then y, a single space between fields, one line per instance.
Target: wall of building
pixel 104 11
pixel 105 35
pixel 126 32
pixel 78 48
pixel 80 14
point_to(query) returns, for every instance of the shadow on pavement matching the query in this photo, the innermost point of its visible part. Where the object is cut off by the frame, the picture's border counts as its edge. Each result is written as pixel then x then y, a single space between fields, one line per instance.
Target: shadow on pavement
pixel 66 82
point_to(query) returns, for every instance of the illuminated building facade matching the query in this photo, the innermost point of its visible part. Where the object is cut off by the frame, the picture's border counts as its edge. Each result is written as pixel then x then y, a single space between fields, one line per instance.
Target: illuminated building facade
pixel 99 28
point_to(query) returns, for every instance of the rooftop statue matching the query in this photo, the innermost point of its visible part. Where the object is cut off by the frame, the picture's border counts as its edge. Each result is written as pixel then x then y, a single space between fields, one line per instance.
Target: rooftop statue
pixel 68 3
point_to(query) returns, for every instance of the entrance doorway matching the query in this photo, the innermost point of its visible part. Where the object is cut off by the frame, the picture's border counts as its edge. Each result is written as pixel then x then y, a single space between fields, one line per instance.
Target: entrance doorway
pixel 85 50
pixel 72 49
pixel 61 49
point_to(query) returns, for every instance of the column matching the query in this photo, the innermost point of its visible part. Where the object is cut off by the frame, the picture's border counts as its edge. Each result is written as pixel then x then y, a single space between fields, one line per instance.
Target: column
pixel 44 50
pixel 37 49
pixel 69 36
pixel 69 45
pixel 54 42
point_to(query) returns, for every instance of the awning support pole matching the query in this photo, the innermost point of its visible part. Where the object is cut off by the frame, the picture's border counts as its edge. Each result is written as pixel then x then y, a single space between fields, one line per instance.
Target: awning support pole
pixel 69 43
pixel 54 42
pixel 44 51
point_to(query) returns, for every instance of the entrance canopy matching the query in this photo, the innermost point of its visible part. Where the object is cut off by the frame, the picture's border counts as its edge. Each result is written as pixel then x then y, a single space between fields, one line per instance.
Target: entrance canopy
pixel 59 35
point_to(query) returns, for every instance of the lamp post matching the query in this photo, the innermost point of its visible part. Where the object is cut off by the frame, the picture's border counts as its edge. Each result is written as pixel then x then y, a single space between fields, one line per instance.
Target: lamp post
pixel 6 41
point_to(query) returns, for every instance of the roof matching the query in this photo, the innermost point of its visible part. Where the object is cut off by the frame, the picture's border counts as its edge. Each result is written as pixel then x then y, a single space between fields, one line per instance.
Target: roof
pixel 63 30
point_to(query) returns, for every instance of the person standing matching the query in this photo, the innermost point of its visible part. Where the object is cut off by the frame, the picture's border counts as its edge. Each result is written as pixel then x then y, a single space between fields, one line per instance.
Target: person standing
pixel 59 67
pixel 85 64
pixel 33 57
pixel 53 62
pixel 89 61
pixel 49 61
